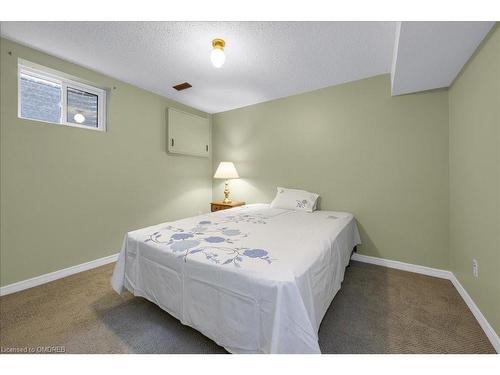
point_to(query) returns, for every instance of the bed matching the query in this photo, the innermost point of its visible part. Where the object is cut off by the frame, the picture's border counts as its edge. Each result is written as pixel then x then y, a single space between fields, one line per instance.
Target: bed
pixel 254 279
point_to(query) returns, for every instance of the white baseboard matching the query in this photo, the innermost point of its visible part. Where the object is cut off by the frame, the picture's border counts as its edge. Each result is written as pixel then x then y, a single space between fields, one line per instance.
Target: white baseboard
pixel 443 274
pixel 435 272
pixel 42 279
pixel 485 325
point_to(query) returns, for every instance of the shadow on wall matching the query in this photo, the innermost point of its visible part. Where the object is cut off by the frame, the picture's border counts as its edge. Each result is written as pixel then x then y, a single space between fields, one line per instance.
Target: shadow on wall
pixel 367 246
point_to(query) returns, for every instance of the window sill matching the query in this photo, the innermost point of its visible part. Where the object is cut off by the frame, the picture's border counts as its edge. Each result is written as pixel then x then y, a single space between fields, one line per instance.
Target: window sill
pixel 68 124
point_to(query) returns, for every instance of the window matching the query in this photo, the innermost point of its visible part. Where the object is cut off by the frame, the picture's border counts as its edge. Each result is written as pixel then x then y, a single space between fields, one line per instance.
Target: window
pixel 54 97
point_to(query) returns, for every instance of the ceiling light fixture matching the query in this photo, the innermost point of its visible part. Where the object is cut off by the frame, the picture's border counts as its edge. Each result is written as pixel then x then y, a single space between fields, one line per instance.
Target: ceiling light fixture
pixel 217 56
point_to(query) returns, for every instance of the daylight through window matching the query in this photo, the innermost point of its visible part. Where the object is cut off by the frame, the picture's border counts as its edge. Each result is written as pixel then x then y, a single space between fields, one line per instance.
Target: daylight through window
pixel 49 96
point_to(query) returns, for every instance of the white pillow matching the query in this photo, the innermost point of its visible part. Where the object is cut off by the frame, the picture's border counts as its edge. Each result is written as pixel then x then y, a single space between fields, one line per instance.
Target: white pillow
pixel 293 199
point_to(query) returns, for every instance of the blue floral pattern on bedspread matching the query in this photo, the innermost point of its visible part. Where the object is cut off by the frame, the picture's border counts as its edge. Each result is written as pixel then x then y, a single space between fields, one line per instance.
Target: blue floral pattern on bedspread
pixel 215 239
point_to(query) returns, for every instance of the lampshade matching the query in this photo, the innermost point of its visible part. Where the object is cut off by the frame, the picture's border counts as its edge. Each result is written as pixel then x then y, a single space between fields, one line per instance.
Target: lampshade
pixel 226 170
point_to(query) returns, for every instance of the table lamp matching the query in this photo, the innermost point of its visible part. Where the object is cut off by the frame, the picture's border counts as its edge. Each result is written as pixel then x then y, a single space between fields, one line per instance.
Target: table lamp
pixel 227 171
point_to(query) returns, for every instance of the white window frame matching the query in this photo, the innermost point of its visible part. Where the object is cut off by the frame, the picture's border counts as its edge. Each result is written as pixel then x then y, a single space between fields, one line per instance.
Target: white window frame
pixel 65 81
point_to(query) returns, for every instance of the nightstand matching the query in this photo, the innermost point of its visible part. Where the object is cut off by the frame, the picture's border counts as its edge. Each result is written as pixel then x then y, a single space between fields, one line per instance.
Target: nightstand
pixel 219 205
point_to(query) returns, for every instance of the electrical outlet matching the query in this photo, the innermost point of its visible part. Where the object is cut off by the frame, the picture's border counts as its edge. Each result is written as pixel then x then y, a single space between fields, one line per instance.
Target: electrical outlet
pixel 475 268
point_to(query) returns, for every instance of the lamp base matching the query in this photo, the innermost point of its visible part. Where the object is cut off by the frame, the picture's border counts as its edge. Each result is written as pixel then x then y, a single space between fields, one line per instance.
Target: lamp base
pixel 226 192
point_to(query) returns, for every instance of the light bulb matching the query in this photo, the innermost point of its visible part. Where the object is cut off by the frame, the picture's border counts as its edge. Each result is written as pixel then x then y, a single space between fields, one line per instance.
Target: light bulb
pixel 218 57
pixel 79 118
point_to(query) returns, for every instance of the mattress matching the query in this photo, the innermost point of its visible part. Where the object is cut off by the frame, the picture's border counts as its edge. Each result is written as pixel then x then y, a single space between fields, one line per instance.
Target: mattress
pixel 254 279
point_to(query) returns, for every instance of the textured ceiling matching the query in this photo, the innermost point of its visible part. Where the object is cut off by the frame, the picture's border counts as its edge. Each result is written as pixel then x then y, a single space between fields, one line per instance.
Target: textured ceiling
pixel 264 60
pixel 429 55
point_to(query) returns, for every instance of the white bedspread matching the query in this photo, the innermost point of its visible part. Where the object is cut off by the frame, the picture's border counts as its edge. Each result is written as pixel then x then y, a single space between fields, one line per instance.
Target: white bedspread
pixel 254 279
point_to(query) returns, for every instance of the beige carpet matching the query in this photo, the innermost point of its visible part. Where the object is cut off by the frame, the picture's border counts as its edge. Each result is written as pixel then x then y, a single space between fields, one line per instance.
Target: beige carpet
pixel 378 310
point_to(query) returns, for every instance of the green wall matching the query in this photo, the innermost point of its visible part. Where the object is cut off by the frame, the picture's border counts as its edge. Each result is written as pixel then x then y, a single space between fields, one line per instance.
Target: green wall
pixel 474 103
pixel 383 158
pixel 69 195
